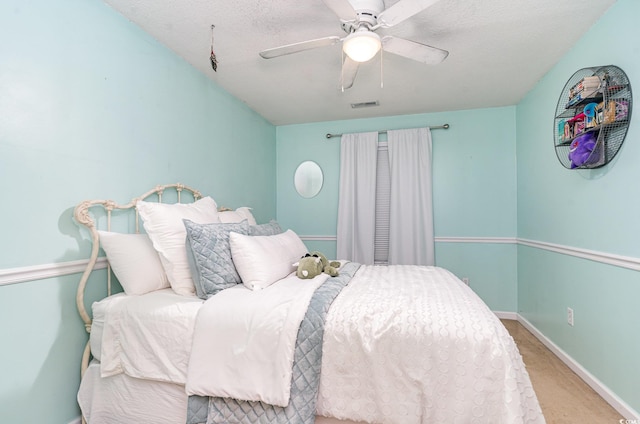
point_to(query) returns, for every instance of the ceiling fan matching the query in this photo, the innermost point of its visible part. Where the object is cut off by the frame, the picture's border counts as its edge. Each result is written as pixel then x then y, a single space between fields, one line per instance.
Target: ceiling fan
pixel 360 19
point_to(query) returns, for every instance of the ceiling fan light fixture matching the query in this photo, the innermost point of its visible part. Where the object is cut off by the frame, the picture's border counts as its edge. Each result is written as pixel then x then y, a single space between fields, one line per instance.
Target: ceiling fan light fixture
pixel 362 46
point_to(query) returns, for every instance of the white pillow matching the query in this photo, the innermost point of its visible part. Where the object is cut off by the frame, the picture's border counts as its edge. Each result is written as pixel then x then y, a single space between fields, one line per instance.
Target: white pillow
pixel 163 223
pixel 239 215
pixel 263 260
pixel 134 261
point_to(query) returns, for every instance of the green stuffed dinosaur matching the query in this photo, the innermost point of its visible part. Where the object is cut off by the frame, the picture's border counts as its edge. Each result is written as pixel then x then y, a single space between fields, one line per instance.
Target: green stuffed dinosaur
pixel 315 263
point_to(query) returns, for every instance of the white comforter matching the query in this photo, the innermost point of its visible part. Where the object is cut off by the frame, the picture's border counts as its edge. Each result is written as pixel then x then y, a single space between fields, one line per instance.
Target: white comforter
pixel 244 341
pixel 402 344
pixel 147 336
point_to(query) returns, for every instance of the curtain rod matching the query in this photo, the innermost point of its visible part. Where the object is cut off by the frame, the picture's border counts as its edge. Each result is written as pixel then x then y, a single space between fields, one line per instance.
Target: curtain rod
pixel 437 127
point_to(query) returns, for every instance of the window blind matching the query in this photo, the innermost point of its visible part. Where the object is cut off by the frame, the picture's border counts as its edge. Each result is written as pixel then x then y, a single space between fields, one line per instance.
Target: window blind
pixel 383 202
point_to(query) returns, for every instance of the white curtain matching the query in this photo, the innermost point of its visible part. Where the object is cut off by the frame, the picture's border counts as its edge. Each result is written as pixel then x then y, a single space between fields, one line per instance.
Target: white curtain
pixel 357 198
pixel 411 238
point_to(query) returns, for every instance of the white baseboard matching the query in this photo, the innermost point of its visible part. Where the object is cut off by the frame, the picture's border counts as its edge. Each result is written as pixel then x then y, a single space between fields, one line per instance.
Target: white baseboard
pixel 506 315
pixel 609 396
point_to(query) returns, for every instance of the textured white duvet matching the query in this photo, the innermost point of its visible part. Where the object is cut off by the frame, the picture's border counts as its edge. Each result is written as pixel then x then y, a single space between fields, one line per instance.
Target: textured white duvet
pixel 409 344
pixel 403 344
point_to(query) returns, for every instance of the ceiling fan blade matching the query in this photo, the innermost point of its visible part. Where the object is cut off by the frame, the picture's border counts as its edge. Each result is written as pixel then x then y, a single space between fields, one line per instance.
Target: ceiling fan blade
pixel 298 47
pixel 402 10
pixel 342 8
pixel 413 50
pixel 349 72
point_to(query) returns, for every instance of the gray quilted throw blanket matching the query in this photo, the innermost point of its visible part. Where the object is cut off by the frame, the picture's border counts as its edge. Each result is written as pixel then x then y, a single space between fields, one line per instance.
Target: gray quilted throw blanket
pixel 305 380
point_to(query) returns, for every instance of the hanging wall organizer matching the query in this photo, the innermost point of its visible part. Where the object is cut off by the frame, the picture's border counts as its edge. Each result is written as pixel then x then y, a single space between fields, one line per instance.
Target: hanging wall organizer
pixel 592 117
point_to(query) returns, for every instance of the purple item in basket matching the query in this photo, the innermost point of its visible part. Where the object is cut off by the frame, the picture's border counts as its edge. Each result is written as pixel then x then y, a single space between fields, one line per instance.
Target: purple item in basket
pixel 581 149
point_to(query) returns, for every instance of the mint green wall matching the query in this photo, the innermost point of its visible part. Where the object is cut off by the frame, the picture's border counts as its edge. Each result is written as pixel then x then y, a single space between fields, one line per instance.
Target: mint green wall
pixel 596 210
pixel 474 177
pixel 93 107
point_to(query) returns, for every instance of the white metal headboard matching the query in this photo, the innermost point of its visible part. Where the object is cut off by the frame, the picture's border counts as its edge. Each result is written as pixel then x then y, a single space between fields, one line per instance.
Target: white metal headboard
pixel 83 216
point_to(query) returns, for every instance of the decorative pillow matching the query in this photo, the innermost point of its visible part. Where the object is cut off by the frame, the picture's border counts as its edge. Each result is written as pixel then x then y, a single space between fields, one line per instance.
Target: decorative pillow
pixel 238 215
pixel 269 229
pixel 209 256
pixel 134 261
pixel 263 260
pixel 163 223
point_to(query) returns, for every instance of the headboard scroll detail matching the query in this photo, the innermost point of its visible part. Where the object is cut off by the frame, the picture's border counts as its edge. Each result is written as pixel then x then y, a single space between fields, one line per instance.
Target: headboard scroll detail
pixel 82 215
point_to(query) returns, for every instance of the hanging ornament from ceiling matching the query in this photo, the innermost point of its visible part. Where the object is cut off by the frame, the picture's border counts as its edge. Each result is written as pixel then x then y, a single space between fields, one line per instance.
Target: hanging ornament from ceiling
pixel 213 58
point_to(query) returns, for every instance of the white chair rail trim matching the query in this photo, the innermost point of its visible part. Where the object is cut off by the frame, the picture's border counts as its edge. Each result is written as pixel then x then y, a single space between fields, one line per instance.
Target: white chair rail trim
pixel 41 272
pixel 318 238
pixel 505 240
pixel 488 240
pixel 593 255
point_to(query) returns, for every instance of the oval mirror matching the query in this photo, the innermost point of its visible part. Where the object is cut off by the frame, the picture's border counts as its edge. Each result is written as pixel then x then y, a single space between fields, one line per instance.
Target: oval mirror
pixel 308 179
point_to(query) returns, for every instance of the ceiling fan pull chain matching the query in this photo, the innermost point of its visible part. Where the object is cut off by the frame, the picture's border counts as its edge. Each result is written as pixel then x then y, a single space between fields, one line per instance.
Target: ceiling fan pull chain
pixel 342 57
pixel 213 58
pixel 381 69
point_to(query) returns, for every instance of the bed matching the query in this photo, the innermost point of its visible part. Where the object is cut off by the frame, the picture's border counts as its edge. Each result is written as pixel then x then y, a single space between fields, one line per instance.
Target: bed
pixel 213 326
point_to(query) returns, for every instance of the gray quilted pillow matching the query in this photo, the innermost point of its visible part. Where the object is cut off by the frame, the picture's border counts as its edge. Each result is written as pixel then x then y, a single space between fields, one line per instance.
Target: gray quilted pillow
pixel 269 229
pixel 209 256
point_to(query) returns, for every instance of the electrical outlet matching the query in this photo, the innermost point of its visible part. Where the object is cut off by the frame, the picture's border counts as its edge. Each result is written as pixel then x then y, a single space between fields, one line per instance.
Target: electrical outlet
pixel 465 280
pixel 570 316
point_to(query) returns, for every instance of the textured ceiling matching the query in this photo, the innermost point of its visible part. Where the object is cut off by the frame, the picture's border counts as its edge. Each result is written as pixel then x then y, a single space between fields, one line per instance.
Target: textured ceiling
pixel 498 50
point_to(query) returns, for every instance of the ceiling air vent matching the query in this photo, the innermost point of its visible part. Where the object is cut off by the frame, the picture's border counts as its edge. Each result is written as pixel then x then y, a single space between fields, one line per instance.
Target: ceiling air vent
pixel 365 104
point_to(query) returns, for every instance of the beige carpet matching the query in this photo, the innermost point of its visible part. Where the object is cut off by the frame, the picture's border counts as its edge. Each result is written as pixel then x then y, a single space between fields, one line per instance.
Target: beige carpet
pixel 563 396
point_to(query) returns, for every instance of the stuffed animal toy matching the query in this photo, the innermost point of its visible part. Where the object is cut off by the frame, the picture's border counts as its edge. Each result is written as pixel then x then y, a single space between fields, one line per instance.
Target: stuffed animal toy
pixel 328 267
pixel 581 150
pixel 315 263
pixel 309 267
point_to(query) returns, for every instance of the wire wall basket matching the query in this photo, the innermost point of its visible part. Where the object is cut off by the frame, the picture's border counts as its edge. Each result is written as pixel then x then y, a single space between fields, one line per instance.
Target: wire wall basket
pixel 592 117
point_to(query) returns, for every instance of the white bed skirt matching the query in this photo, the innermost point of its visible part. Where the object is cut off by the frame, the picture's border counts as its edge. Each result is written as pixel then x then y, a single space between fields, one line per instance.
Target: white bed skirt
pixel 121 399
